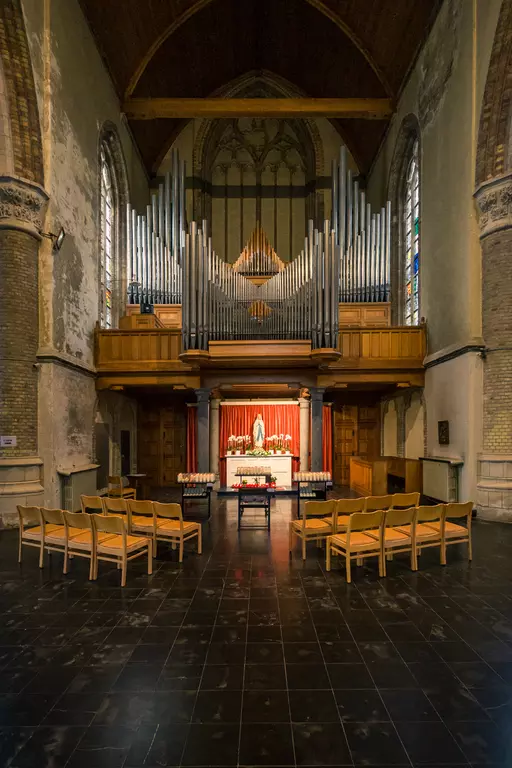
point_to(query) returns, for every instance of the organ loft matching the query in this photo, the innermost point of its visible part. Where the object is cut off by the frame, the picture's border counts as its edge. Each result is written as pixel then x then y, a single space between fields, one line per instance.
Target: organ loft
pixel 218 210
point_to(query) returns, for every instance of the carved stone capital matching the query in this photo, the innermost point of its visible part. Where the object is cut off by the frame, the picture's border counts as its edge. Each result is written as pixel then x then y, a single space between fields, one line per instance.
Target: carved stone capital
pixel 494 200
pixel 22 205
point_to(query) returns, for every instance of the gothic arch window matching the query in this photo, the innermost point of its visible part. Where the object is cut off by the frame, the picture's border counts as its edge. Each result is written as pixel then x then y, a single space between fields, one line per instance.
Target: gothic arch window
pixel 113 196
pixel 411 239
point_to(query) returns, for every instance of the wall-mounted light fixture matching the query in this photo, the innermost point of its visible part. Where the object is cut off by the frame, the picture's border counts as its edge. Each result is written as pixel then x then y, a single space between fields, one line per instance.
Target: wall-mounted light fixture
pixel 56 239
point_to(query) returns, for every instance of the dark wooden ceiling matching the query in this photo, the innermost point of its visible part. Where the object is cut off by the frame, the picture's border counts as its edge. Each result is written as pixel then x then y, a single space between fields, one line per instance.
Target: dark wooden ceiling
pixel 322 48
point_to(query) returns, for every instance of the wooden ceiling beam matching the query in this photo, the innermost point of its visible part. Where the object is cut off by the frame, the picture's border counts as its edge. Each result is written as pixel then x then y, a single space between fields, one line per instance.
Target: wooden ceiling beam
pixel 217 108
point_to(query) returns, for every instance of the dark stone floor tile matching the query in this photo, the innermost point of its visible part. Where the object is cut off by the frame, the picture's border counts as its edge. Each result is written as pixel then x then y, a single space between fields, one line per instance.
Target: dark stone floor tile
pixel 264 653
pixel 307 677
pixel 456 651
pixel 429 742
pixel 76 709
pixel 231 635
pixel 391 674
pixel 222 677
pixel 266 744
pixel 378 651
pixel 349 676
pixel 95 679
pixel 313 706
pixel 263 677
pixel 360 706
pixel 175 677
pixel 476 674
pixel 414 651
pixel 25 709
pixel 265 707
pixel 12 741
pixel 48 747
pixel 149 654
pixel 14 680
pixel 320 744
pixel 214 745
pixel 138 677
pixel 407 632
pixel 340 652
pixel 218 707
pixel 226 653
pixel 408 705
pixel 303 653
pixel 333 633
pixel 430 673
pixel 456 703
pixel 375 744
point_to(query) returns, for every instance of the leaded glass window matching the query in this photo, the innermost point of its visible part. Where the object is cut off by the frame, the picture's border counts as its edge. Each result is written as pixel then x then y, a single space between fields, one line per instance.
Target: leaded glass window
pixel 412 241
pixel 107 244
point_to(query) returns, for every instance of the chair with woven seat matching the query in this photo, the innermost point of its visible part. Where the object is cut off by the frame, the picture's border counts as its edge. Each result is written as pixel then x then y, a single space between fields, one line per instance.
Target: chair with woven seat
pixel 399 535
pixel 452 533
pixel 116 489
pixel 30 530
pixel 345 508
pixel 118 546
pixel 54 530
pixel 362 539
pixel 170 526
pixel 427 527
pixel 92 505
pixel 377 503
pixel 405 500
pixel 316 523
pixel 80 539
pixel 115 507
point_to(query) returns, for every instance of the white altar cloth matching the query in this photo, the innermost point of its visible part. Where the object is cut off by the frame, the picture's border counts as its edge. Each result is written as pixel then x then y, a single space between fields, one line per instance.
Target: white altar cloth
pixel 280 463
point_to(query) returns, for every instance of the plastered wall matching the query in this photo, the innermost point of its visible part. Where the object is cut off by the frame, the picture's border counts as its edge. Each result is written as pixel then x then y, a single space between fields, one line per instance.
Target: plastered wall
pixel 76 98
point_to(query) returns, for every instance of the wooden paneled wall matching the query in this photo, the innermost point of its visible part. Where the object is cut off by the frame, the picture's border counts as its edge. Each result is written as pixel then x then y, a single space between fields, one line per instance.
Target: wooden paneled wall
pixel 162 439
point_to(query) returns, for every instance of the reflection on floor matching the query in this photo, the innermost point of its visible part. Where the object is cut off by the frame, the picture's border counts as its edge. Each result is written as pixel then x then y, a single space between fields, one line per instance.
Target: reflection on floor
pixel 244 657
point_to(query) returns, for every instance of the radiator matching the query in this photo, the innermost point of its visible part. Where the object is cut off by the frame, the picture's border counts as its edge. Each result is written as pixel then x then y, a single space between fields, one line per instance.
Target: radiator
pixel 440 478
pixel 76 481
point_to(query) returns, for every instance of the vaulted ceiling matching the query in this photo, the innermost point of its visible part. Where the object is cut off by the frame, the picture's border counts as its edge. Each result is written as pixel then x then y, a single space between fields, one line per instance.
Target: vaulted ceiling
pixel 319 48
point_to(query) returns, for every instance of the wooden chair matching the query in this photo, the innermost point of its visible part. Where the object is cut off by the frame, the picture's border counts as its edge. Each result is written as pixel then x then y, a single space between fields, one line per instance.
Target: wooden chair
pixel 451 533
pixel 377 503
pixel 54 530
pixel 80 539
pixel 116 489
pixel 316 523
pixel 363 538
pixel 405 500
pixel 91 505
pixel 118 546
pixel 427 528
pixel 399 535
pixel 170 526
pixel 142 519
pixel 345 508
pixel 31 532
pixel 115 507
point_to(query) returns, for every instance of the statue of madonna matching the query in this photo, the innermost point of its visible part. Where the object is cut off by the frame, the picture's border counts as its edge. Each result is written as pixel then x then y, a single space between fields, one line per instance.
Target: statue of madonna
pixel 258 431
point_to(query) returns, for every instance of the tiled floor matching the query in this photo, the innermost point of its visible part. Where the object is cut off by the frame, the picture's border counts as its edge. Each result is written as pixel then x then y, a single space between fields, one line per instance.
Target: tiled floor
pixel 243 657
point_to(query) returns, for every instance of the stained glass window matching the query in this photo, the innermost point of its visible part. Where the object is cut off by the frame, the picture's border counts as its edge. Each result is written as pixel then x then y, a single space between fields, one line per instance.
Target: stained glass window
pixel 412 241
pixel 107 244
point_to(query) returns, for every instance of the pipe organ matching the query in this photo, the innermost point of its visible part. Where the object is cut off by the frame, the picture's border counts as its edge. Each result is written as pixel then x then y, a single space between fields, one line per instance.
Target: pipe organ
pixel 363 237
pixel 346 260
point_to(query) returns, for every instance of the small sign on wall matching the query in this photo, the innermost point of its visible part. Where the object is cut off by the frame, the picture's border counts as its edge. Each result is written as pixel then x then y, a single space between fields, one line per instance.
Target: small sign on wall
pixel 443 431
pixel 8 441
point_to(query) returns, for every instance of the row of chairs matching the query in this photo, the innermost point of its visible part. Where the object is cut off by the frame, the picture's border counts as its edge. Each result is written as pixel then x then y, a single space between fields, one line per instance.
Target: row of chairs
pixel 162 522
pixel 323 518
pixel 95 537
pixel 384 533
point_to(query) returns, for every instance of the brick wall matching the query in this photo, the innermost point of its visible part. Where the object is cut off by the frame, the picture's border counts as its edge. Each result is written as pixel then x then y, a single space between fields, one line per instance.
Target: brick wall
pixel 18 341
pixel 19 80
pixel 497 332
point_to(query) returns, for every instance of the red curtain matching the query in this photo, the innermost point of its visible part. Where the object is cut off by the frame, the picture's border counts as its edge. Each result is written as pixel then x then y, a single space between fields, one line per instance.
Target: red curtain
pixel 327 439
pixel 191 439
pixel 279 420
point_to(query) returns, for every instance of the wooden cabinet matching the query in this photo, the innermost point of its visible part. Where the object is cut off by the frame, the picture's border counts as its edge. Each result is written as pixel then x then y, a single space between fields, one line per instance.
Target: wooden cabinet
pixel 162 442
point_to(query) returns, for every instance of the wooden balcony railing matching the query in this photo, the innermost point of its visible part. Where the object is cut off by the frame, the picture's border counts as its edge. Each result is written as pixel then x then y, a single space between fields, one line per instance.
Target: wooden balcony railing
pixel 402 347
pixel 155 349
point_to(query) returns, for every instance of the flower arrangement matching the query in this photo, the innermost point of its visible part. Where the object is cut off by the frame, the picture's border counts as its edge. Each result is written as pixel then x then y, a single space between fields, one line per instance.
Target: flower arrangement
pixel 257 452
pixel 232 444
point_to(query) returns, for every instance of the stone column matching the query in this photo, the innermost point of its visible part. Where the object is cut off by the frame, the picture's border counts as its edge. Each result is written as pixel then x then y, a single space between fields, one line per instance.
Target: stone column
pixel 22 207
pixel 304 433
pixel 214 436
pixel 203 430
pixel 494 490
pixel 317 401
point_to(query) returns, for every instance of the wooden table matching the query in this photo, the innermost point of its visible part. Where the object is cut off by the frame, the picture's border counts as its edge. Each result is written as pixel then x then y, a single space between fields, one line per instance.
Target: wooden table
pixel 255 498
pixel 136 476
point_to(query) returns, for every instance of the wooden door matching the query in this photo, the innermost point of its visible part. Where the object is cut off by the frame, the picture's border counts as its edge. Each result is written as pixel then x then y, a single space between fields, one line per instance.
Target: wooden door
pixel 345 442
pixel 369 431
pixel 174 438
pixel 148 443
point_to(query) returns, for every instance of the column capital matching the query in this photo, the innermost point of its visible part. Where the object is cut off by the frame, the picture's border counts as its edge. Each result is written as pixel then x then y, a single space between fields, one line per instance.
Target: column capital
pixel 304 402
pixel 203 395
pixel 215 403
pixel 494 200
pixel 22 205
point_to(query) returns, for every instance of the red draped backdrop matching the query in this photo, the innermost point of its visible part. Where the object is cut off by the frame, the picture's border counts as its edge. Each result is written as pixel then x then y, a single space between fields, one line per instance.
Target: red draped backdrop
pixel 239 419
pixel 191 439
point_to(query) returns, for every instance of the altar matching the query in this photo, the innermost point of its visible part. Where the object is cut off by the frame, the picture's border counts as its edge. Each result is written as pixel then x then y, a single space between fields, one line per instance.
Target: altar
pixel 280 464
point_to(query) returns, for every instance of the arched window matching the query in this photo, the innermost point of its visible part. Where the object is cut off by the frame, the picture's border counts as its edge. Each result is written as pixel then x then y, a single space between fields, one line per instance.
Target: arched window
pixel 108 216
pixel 411 263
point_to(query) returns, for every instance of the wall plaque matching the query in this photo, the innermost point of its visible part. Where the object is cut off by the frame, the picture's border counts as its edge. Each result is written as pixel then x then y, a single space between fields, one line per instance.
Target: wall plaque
pixel 443 430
